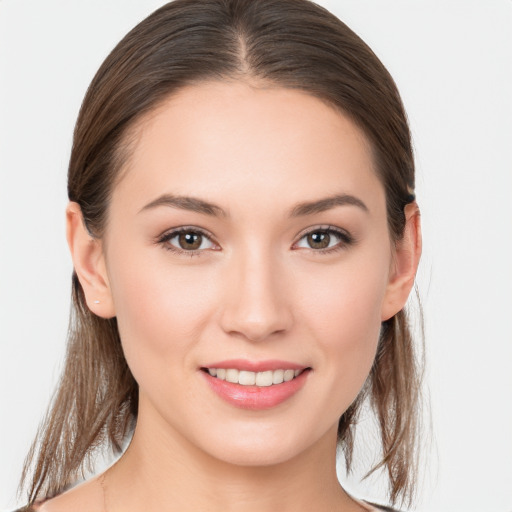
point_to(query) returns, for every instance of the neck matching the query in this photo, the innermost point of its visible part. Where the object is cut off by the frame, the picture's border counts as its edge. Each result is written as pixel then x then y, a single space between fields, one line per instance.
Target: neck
pixel 161 470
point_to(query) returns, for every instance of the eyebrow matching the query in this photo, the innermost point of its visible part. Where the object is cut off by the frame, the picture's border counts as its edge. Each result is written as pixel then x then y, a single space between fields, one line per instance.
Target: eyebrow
pixel 192 204
pixel 197 205
pixel 322 205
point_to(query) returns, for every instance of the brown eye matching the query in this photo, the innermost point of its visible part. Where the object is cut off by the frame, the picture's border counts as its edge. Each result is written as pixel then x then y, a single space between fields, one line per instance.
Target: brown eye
pixel 319 240
pixel 186 240
pixel 325 240
pixel 190 240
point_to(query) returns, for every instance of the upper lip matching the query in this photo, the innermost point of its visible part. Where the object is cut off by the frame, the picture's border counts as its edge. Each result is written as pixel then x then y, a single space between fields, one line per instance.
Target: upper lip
pixel 256 366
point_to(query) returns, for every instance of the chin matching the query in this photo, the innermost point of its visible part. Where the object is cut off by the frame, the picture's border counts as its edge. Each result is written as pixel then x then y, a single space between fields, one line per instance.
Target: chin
pixel 257 456
pixel 261 445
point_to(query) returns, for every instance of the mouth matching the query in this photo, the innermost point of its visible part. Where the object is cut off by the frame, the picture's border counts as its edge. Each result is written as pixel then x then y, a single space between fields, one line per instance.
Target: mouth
pixel 260 379
pixel 255 385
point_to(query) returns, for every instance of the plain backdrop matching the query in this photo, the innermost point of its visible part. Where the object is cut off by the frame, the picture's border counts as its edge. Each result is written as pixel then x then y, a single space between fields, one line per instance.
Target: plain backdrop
pixel 452 61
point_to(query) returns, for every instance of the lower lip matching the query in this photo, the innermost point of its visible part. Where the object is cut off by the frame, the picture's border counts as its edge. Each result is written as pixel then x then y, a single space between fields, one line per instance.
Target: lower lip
pixel 254 397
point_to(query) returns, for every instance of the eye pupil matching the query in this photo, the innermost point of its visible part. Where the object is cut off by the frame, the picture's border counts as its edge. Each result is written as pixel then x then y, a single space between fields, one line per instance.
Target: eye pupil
pixel 319 240
pixel 190 240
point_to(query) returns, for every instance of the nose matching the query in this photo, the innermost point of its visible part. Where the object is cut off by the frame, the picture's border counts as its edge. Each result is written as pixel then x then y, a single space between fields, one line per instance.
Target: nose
pixel 257 304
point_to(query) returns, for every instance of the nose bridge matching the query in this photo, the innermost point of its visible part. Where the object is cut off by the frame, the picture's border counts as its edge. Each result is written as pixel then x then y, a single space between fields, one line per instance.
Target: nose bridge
pixel 257 305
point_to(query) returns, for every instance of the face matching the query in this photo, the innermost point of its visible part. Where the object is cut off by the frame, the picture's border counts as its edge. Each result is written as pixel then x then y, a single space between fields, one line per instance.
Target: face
pixel 248 260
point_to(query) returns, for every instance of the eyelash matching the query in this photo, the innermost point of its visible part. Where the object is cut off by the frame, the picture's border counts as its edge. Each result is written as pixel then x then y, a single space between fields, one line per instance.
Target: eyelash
pixel 345 240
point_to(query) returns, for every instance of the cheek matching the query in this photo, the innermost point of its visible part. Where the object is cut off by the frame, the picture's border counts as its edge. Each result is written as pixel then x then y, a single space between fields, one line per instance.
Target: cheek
pixel 349 302
pixel 160 313
pixel 345 319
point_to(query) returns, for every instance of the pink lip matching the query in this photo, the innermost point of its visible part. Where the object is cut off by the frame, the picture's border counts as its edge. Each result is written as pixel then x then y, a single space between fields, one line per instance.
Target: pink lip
pixel 253 397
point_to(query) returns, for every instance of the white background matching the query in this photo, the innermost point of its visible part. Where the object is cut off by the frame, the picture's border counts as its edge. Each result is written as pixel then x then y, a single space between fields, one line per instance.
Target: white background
pixel 452 61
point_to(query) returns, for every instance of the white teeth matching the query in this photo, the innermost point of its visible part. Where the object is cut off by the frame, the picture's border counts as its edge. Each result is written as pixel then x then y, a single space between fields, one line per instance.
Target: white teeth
pixel 246 378
pixel 264 379
pixel 232 375
pixel 278 377
pixel 288 375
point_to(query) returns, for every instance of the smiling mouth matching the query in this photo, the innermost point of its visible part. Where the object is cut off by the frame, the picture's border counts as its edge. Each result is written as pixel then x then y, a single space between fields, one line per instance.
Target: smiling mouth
pixel 248 378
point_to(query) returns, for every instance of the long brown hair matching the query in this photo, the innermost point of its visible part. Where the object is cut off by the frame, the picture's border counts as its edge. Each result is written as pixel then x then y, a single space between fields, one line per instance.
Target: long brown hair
pixel 289 43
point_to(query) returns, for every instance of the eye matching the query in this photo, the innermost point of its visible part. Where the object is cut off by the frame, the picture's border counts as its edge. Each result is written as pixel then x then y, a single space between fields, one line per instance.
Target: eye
pixel 325 239
pixel 186 240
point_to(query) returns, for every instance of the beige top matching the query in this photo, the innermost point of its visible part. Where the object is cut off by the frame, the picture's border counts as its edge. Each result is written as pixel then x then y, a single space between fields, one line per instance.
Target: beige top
pixel 367 506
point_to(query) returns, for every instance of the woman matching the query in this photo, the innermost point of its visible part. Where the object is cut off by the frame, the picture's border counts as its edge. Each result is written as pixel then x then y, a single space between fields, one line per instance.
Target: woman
pixel 244 236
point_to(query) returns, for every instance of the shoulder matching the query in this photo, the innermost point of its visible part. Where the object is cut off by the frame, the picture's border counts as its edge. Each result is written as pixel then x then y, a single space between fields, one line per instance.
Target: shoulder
pixel 36 507
pixel 83 497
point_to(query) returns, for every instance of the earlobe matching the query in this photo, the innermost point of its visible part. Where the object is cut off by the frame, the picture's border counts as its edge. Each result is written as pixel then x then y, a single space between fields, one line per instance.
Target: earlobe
pixel 405 264
pixel 89 263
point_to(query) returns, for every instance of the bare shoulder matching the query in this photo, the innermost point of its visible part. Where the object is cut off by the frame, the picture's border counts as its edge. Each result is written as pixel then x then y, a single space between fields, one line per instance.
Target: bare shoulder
pixel 86 497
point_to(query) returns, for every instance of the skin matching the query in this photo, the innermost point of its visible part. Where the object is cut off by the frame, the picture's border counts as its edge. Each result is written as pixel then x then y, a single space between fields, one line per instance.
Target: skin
pixel 255 289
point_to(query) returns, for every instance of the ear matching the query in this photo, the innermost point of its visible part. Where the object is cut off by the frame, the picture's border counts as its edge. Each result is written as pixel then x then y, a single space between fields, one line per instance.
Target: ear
pixel 89 263
pixel 406 258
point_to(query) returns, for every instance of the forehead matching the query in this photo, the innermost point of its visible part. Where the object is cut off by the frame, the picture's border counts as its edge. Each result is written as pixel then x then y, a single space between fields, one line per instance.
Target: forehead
pixel 231 141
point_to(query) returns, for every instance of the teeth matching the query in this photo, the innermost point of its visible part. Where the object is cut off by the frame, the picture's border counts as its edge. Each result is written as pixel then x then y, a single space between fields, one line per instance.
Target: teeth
pixel 278 377
pixel 264 379
pixel 232 376
pixel 247 378
pixel 288 375
pixel 261 379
